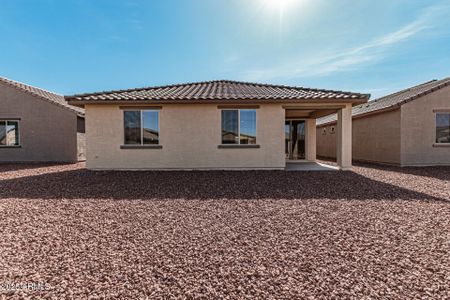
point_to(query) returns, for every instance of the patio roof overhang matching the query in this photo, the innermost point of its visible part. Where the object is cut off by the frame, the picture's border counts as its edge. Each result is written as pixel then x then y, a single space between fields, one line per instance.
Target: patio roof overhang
pixel 314 110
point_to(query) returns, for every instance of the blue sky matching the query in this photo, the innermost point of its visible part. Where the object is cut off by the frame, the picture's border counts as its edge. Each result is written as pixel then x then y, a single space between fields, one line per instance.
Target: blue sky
pixel 363 46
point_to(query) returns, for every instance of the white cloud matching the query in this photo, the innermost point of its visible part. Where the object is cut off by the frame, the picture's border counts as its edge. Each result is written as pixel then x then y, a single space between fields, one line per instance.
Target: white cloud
pixel 349 59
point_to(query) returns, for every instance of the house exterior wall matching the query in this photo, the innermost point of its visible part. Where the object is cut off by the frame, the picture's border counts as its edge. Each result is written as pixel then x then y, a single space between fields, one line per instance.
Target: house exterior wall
pixel 376 138
pixel 326 141
pixel 47 131
pixel 189 136
pixel 419 130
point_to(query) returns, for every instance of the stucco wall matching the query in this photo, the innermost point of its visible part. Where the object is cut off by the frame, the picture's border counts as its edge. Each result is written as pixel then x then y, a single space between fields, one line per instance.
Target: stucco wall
pixel 419 130
pixel 189 135
pixel 47 131
pixel 326 142
pixel 376 138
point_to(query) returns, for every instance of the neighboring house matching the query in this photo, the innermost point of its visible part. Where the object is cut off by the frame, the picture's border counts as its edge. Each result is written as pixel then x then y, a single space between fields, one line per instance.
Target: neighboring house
pixel 407 128
pixel 38 126
pixel 211 125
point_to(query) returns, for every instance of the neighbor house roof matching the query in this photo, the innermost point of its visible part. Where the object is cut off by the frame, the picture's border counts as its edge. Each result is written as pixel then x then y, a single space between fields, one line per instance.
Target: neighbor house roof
pixel 220 90
pixel 391 101
pixel 42 94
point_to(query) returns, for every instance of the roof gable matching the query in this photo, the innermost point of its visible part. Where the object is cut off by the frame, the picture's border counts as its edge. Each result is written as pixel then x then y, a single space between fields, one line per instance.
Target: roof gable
pixel 216 90
pixel 391 101
pixel 42 94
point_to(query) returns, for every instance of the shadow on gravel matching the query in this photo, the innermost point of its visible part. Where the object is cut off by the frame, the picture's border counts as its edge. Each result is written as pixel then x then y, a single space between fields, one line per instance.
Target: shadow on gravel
pixel 85 184
pixel 7 167
pixel 441 172
pixel 438 172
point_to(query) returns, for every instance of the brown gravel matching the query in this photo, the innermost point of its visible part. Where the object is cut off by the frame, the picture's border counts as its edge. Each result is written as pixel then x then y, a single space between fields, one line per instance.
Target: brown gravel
pixel 375 232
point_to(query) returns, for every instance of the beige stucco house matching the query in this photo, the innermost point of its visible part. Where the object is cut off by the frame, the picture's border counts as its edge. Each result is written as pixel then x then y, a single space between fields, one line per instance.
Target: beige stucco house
pixel 38 126
pixel 211 125
pixel 408 128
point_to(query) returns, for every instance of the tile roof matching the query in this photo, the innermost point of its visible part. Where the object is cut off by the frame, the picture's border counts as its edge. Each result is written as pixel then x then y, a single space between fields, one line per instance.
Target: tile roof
pixel 217 90
pixel 393 100
pixel 42 94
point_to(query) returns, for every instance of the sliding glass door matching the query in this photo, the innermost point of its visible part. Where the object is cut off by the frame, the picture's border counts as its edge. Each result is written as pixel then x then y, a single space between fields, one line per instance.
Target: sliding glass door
pixel 294 131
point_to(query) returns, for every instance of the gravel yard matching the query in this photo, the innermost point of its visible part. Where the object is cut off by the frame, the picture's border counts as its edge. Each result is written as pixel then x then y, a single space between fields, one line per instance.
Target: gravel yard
pixel 374 232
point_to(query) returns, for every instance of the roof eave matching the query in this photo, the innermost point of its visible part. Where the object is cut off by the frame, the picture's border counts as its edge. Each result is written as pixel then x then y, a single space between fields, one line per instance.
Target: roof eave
pixel 81 103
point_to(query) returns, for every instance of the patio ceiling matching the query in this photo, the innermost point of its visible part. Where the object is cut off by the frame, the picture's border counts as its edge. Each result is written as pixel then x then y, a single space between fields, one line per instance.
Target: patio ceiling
pixel 309 113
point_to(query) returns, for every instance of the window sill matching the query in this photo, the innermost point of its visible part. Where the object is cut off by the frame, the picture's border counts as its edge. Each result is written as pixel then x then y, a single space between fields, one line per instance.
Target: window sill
pixel 237 146
pixel 140 146
pixel 18 146
pixel 441 145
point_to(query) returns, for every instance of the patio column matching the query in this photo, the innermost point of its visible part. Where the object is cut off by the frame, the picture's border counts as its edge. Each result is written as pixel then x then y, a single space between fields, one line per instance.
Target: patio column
pixel 344 138
pixel 311 139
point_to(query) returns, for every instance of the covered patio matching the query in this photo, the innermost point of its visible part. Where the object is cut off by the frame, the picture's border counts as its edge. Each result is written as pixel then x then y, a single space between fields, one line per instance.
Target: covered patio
pixel 300 134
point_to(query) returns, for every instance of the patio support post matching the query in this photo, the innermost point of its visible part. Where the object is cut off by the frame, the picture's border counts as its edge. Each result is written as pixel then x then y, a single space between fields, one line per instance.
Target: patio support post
pixel 344 138
pixel 311 139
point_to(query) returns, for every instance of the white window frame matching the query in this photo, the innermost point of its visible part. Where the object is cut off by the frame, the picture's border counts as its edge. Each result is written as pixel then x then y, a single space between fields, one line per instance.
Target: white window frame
pixel 239 125
pixel 435 126
pixel 142 127
pixel 18 132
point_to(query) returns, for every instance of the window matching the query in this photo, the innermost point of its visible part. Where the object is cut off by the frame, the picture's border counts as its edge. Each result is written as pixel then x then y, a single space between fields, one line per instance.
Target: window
pixel 9 133
pixel 239 126
pixel 442 128
pixel 324 131
pixel 332 129
pixel 141 127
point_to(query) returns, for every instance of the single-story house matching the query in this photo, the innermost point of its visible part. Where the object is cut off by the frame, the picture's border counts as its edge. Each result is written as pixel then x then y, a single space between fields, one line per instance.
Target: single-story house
pixel 211 125
pixel 407 128
pixel 38 126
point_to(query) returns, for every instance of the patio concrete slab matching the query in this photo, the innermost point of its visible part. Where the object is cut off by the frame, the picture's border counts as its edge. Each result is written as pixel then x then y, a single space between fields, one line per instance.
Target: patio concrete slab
pixel 309 166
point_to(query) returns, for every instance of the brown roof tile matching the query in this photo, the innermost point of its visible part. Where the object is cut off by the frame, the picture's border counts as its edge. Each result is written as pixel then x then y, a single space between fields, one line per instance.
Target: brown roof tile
pixel 216 90
pixel 43 94
pixel 393 100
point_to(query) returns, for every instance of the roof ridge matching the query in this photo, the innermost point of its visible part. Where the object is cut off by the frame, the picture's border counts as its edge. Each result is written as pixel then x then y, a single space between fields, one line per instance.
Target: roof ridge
pixel 403 90
pixel 393 100
pixel 41 94
pixel 141 88
pixel 292 87
pixel 11 81
pixel 108 92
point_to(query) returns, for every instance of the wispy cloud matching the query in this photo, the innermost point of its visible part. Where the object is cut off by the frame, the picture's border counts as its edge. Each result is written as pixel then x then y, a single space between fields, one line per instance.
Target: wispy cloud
pixel 349 59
